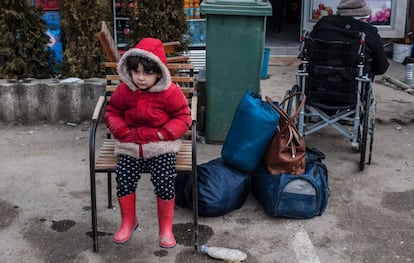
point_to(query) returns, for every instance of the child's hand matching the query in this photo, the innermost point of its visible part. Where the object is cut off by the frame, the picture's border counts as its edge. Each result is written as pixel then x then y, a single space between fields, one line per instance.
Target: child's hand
pixel 145 134
pixel 128 137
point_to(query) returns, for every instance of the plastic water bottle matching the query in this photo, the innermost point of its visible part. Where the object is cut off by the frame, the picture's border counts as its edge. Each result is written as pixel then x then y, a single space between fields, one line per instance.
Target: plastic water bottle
pixel 224 253
pixel 409 74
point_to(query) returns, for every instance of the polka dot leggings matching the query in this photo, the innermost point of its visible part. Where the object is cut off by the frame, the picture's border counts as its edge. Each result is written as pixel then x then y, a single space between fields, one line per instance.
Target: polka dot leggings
pixel 162 168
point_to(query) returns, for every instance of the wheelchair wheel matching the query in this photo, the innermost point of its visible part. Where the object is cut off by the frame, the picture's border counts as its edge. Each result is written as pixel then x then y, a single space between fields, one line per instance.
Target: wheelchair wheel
pixel 365 127
pixel 371 131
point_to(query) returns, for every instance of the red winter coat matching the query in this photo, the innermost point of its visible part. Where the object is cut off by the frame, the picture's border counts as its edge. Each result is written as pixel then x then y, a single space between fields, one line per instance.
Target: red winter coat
pixel 134 117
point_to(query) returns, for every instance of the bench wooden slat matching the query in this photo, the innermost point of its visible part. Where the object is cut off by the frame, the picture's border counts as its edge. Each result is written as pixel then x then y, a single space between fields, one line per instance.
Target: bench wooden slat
pixel 182 79
pixel 170 65
pixel 111 64
pixel 111 88
pixel 170 47
pixel 173 78
pixel 178 59
pixel 113 77
pixel 188 91
pixel 180 66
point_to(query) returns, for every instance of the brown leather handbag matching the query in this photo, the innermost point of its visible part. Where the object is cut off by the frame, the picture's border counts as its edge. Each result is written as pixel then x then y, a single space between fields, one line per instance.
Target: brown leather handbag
pixel 286 151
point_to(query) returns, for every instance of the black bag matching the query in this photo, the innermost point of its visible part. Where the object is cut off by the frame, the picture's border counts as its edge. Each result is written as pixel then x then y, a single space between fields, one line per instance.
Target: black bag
pixel 220 187
pixel 294 196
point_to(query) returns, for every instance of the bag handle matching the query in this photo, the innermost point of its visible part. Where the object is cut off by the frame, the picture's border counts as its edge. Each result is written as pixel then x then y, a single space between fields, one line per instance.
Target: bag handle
pixel 282 112
pixel 301 105
pixel 293 132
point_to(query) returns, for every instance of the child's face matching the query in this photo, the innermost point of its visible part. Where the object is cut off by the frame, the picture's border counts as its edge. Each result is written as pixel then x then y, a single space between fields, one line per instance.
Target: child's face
pixel 144 79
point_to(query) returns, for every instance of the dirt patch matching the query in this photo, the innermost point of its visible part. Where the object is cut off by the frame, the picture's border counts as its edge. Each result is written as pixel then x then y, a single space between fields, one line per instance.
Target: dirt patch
pixel 8 213
pixel 55 241
pixel 399 201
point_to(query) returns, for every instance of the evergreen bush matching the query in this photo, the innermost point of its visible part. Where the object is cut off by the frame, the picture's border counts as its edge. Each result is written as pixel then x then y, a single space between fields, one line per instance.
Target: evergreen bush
pixel 23 43
pixel 165 20
pixel 23 46
pixel 82 53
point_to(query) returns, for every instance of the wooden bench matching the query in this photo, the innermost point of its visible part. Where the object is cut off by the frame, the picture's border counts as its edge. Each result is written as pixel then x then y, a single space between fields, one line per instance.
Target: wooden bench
pixel 103 160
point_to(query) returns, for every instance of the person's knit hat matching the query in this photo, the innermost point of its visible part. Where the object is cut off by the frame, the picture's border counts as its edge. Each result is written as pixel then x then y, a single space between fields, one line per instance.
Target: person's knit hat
pixel 356 8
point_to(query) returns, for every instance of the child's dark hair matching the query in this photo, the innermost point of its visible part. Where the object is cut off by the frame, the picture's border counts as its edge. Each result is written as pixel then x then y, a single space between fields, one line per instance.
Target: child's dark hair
pixel 148 64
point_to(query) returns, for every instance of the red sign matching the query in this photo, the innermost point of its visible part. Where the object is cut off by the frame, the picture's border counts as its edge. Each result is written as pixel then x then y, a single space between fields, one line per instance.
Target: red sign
pixel 48 5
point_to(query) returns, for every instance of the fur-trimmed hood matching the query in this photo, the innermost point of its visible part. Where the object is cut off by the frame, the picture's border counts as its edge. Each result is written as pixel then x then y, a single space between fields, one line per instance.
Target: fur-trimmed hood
pixel 151 48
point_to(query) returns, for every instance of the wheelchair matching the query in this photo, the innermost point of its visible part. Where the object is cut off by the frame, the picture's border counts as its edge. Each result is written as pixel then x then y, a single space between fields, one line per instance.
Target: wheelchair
pixel 334 76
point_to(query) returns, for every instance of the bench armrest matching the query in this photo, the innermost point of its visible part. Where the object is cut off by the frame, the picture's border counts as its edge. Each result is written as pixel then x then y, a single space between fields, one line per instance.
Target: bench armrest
pixel 194 102
pixel 97 112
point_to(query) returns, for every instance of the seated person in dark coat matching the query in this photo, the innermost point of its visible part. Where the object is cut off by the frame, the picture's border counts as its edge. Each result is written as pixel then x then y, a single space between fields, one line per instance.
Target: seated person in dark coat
pixel 353 15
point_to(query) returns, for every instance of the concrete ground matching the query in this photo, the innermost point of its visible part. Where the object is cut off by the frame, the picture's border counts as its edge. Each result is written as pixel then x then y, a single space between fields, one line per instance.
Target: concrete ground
pixel 45 203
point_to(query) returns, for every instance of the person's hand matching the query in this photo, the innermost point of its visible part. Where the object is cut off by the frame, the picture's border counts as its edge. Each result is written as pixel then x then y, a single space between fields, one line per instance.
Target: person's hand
pixel 145 135
pixel 159 134
pixel 127 137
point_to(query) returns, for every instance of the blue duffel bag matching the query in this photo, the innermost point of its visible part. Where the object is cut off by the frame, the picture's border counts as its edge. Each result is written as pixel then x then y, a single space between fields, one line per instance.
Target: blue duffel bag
pixel 221 188
pixel 294 196
pixel 253 126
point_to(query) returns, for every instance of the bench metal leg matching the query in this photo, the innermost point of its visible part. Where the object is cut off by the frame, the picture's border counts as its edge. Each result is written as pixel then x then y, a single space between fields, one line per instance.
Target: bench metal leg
pixel 195 190
pixel 109 179
pixel 93 185
pixel 93 211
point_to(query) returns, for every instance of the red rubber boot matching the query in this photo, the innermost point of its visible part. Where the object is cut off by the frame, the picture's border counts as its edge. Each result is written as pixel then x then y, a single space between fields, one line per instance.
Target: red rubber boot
pixel 129 221
pixel 165 220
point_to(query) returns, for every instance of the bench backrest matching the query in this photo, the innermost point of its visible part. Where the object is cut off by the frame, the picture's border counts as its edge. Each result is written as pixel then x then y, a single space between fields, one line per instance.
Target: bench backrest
pixel 113 55
pixel 108 43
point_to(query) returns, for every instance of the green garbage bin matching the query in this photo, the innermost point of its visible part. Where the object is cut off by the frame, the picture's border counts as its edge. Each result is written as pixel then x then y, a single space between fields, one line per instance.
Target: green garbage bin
pixel 234 51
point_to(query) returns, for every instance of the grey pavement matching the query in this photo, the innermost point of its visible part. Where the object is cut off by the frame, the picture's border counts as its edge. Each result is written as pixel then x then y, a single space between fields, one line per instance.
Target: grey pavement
pixel 45 203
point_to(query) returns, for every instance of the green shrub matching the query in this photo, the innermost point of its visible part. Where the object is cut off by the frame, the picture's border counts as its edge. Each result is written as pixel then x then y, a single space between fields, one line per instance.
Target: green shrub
pixel 23 42
pixel 82 53
pixel 165 20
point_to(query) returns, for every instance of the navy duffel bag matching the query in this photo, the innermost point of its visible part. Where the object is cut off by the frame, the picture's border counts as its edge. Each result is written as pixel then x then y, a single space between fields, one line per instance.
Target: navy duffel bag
pixel 221 188
pixel 294 196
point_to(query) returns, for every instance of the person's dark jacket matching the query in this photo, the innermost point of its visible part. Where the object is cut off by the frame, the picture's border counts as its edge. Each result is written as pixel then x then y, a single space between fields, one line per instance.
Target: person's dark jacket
pixel 323 29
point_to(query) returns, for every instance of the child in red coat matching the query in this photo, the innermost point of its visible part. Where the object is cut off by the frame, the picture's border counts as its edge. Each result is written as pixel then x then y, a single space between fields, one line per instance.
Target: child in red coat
pixel 147 114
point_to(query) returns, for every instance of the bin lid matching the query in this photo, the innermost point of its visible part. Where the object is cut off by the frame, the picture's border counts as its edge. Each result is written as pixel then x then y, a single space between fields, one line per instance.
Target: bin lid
pixel 236 7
